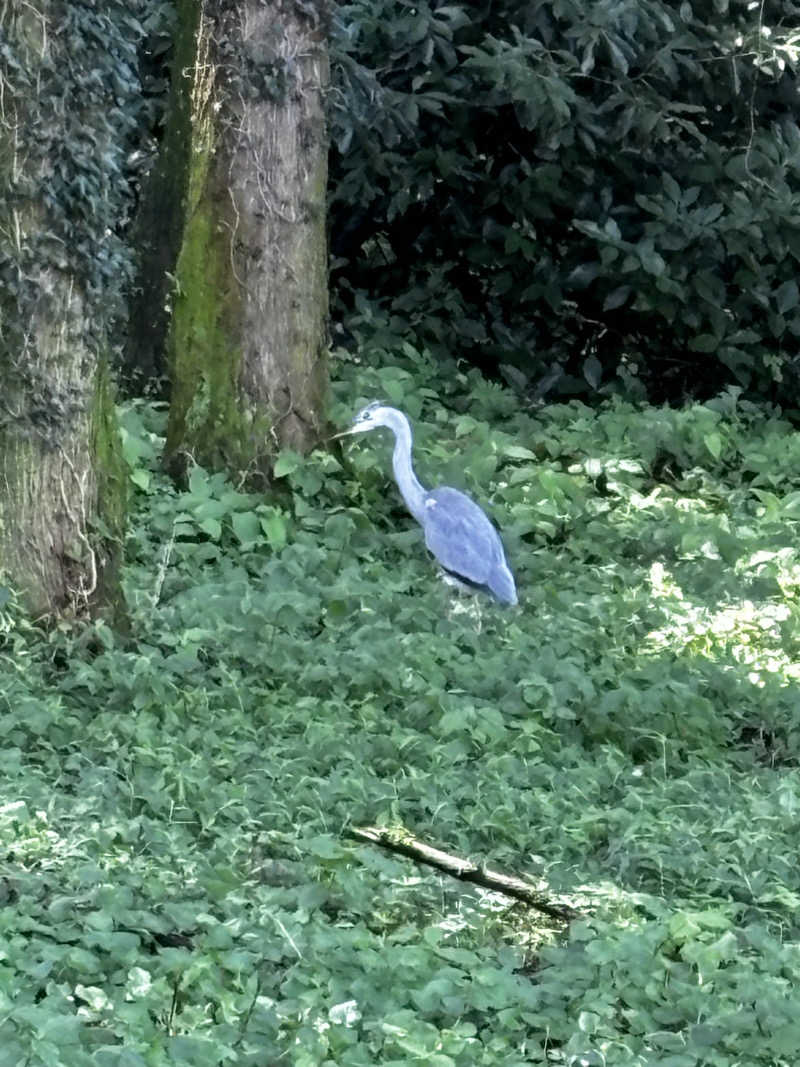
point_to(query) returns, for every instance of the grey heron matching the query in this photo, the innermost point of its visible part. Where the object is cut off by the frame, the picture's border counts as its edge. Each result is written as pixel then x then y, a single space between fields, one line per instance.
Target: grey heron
pixel 457 531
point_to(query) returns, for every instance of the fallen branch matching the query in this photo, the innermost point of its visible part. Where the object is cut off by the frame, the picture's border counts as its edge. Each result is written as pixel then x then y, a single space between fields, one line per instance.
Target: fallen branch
pixel 463 869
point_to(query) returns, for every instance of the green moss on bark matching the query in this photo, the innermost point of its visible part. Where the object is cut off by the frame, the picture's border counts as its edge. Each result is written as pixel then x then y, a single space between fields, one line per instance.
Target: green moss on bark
pixel 112 500
pixel 205 417
pixel 63 509
pixel 248 333
pixel 206 420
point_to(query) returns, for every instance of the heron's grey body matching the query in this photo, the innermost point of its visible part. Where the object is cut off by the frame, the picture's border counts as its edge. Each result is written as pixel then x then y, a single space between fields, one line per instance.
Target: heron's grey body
pixel 457 531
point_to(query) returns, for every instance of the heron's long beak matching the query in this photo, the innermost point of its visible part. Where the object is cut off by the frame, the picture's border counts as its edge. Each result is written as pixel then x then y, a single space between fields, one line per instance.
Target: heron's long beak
pixel 344 433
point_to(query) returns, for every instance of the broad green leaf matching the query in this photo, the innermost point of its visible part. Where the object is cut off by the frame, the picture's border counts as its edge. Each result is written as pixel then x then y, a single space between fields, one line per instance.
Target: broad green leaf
pixel 246 526
pixel 593 371
pixel 274 527
pixel 651 261
pixel 616 298
pixel 713 443
pixel 212 527
pixel 787 297
pixel 704 342
pixel 198 482
pixel 286 463
pixel 518 452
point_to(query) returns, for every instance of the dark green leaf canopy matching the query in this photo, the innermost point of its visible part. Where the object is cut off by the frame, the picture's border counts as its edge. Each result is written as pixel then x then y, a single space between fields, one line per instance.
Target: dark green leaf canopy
pixel 522 183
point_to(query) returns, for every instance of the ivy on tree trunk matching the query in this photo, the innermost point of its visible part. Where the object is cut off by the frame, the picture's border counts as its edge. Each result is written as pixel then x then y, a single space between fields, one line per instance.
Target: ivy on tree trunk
pixel 62 483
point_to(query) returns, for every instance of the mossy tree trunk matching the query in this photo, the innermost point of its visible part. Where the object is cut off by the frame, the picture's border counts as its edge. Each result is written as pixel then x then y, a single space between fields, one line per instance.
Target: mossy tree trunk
pixel 61 479
pixel 62 487
pixel 249 327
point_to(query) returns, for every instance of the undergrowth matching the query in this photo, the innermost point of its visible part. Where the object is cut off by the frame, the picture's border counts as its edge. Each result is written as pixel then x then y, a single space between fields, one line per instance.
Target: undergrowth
pixel 177 885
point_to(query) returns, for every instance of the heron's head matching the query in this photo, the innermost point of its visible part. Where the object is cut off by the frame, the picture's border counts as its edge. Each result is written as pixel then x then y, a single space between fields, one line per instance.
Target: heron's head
pixel 373 415
pixel 368 418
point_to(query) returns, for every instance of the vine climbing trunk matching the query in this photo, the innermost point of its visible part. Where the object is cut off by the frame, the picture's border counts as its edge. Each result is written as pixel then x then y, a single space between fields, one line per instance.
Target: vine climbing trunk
pixel 62 488
pixel 58 464
pixel 249 326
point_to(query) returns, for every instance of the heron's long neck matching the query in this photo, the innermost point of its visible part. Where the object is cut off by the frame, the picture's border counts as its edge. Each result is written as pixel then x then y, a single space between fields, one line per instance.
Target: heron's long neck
pixel 413 492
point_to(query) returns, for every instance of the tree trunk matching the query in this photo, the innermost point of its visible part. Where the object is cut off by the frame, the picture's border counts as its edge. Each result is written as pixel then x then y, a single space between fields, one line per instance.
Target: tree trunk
pixel 60 468
pixel 61 476
pixel 249 327
pixel 157 231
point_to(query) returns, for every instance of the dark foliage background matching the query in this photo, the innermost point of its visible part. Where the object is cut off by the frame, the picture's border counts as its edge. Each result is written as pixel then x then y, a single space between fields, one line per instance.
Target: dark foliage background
pixel 575 193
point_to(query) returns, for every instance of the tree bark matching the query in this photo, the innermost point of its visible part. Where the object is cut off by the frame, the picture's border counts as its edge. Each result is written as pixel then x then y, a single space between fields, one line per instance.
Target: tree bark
pixel 157 230
pixel 60 469
pixel 61 475
pixel 249 327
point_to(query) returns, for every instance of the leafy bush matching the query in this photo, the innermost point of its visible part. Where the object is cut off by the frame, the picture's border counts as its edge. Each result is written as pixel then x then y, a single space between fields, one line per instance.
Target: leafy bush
pixel 581 193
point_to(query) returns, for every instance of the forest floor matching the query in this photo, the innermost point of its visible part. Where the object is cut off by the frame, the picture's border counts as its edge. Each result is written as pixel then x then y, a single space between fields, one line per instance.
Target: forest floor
pixel 178 883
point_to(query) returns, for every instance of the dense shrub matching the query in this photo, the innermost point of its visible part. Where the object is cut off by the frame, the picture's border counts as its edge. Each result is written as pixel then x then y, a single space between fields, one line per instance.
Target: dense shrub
pixel 582 191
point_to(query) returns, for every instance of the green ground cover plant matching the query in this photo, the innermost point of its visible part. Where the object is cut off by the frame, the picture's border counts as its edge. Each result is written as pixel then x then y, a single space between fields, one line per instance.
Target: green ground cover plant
pixel 176 882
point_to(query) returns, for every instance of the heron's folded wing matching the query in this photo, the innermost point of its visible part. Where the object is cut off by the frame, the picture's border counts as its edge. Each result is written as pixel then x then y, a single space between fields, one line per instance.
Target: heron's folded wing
pixel 460 536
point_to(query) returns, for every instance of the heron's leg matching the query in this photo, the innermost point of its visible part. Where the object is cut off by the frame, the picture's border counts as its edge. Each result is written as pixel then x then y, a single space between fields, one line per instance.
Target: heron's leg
pixel 466 600
pixel 455 583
